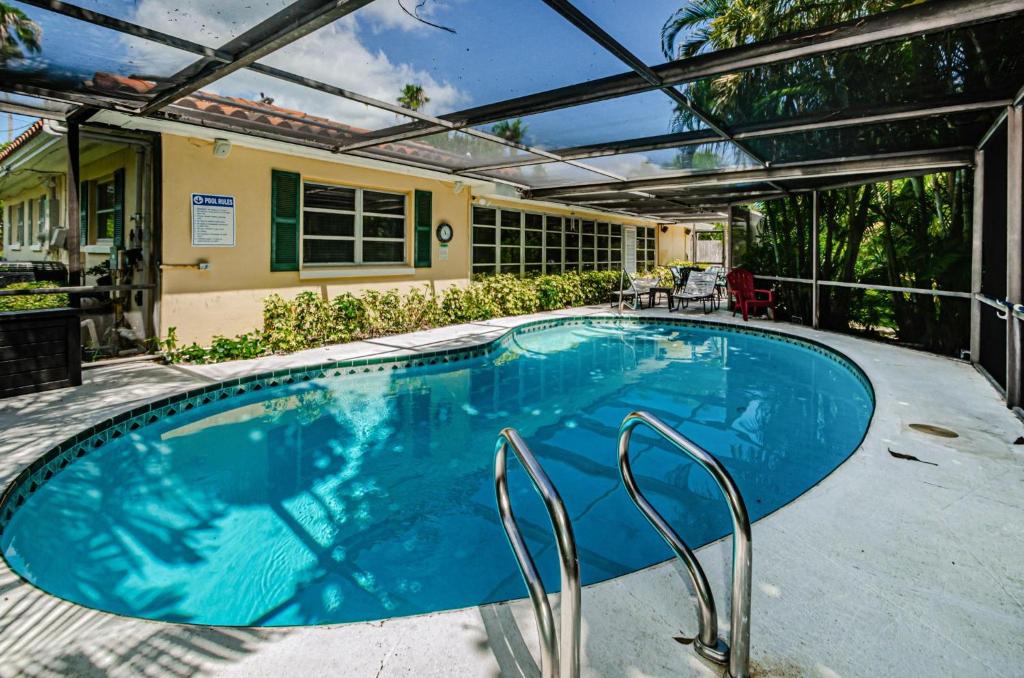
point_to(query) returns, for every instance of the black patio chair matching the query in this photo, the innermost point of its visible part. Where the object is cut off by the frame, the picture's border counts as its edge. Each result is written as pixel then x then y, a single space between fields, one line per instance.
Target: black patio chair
pixel 678 278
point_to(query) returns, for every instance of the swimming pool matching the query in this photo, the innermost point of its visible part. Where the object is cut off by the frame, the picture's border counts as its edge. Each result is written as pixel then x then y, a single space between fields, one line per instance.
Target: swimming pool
pixel 361 491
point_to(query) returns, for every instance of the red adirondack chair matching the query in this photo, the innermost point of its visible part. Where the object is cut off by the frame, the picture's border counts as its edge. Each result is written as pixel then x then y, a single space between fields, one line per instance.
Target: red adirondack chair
pixel 745 297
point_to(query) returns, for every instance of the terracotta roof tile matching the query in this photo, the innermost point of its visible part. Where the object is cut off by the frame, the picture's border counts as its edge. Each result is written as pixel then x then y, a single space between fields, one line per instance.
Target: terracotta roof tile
pixel 20 140
pixel 260 114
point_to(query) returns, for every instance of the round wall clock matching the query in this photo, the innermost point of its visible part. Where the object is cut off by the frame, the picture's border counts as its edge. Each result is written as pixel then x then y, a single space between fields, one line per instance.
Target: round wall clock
pixel 445 232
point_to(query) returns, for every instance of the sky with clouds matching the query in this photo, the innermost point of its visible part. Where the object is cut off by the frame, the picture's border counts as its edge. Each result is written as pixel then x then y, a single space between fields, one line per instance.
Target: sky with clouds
pixel 494 50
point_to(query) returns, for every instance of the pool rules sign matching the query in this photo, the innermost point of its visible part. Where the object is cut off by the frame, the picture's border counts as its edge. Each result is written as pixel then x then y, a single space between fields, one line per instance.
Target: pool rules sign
pixel 213 220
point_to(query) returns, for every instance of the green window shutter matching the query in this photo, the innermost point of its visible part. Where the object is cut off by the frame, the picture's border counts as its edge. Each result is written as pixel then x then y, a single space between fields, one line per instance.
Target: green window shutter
pixel 284 221
pixel 423 220
pixel 83 213
pixel 119 208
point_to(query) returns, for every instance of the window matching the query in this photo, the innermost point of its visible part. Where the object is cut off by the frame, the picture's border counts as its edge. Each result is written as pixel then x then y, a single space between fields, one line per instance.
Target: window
pixel 342 225
pixel 645 248
pixel 615 247
pixel 28 223
pixel 553 244
pixel 106 209
pixel 43 217
pixel 21 224
pixel 572 244
pixel 533 244
pixel 510 241
pixel 485 240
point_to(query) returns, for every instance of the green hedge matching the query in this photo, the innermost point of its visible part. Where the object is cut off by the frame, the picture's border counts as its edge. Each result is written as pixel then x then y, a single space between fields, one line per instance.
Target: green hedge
pixel 32 302
pixel 310 320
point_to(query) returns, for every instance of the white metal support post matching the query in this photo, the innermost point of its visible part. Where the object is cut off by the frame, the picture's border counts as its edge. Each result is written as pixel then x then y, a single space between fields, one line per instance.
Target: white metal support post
pixel 75 234
pixel 1014 238
pixel 727 240
pixel 976 239
pixel 815 288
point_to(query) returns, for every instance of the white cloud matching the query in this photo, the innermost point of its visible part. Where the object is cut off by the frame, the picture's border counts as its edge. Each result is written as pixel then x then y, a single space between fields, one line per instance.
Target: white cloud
pixel 383 14
pixel 334 55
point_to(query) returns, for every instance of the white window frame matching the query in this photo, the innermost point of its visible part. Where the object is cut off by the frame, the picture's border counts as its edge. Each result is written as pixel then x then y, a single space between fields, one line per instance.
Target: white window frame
pixel 567 221
pixel 496 247
pixel 646 244
pixel 94 188
pixel 30 217
pixel 357 228
pixel 592 262
pixel 42 220
pixel 550 269
pixel 20 232
pixel 543 243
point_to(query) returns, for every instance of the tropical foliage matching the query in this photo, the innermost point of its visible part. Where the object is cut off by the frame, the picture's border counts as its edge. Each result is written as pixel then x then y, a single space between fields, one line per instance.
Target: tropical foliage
pixel 309 320
pixel 913 232
pixel 413 97
pixel 510 130
pixel 709 25
pixel 19 35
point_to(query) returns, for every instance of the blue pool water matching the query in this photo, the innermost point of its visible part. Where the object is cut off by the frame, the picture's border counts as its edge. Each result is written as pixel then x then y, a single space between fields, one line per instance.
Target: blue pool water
pixel 370 496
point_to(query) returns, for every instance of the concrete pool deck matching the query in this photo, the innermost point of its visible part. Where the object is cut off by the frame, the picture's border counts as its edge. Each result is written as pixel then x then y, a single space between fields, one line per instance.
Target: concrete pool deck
pixel 887 567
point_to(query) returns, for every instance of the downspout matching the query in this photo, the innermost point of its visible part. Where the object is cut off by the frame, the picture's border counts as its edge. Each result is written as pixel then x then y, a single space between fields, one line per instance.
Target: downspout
pixel 143 234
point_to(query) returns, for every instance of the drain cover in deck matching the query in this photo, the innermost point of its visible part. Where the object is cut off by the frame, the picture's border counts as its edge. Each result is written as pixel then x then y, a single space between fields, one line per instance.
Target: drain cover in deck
pixel 933 430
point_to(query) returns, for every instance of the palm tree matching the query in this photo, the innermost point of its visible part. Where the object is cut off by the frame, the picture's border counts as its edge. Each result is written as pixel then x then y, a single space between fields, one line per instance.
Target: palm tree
pixel 514 131
pixel 18 33
pixel 413 97
pixel 708 25
pixel 694 22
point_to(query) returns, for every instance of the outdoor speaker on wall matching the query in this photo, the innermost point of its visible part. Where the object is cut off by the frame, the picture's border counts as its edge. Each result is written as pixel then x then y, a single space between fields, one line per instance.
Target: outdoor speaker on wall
pixel 221 148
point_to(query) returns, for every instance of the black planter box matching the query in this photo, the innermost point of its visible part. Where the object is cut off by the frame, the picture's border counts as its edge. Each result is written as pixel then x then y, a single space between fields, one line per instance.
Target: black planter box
pixel 39 351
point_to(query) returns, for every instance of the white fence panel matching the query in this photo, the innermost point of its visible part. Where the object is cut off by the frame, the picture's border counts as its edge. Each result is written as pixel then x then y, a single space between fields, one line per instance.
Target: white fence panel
pixel 709 252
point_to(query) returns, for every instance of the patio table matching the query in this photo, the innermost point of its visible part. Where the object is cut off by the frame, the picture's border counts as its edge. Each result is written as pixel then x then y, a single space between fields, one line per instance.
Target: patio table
pixel 654 291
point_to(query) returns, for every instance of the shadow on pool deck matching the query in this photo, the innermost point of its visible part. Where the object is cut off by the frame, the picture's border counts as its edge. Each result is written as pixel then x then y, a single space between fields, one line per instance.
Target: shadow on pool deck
pixel 891 567
pixel 35 629
pixel 30 424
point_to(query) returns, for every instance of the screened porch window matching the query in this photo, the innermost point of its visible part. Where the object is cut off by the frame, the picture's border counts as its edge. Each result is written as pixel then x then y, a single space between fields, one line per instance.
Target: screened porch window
pixel 525 243
pixel 106 209
pixel 20 223
pixel 343 225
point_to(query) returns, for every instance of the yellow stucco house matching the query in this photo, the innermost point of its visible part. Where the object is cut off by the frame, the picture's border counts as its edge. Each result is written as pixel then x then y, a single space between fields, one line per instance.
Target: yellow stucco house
pixel 218 220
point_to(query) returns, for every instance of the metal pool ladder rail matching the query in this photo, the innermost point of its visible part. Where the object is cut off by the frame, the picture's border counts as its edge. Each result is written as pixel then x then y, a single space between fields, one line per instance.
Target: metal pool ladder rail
pixel 557 659
pixel 707 643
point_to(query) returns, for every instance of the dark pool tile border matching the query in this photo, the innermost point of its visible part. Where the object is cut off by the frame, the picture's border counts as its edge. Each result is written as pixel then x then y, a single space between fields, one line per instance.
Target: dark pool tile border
pixel 125 423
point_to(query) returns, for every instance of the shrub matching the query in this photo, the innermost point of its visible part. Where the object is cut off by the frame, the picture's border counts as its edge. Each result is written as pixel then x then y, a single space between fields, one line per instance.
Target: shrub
pixel 33 302
pixel 279 327
pixel 422 310
pixel 466 304
pixel 309 320
pixel 597 285
pixel 350 311
pixel 249 345
pixel 511 295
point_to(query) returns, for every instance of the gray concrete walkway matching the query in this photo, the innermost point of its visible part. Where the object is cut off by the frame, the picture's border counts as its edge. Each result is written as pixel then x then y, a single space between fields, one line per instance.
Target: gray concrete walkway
pixel 888 567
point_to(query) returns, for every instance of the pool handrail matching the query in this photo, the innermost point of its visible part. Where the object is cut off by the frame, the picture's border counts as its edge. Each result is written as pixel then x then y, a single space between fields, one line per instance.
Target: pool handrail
pixel 557 659
pixel 707 643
